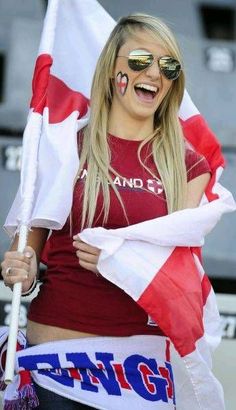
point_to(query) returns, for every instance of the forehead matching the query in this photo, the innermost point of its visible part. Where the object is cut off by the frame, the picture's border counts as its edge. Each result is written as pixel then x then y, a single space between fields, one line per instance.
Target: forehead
pixel 143 40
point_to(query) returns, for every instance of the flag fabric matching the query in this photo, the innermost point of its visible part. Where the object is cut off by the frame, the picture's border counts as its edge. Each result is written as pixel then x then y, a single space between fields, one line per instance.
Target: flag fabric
pixel 71 42
pixel 165 266
pixel 156 262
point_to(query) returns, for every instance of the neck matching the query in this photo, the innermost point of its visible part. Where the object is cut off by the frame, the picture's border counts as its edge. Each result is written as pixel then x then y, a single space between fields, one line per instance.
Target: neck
pixel 127 127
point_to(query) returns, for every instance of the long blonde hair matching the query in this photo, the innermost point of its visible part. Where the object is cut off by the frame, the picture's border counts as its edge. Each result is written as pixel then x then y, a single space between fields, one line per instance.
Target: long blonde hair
pixel 167 140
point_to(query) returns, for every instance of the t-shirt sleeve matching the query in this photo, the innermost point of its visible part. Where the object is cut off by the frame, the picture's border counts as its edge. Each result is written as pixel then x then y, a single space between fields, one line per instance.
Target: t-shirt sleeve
pixel 196 164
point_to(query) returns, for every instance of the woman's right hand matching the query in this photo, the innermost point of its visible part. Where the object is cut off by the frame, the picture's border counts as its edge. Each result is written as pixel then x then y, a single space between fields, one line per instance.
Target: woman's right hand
pixel 20 267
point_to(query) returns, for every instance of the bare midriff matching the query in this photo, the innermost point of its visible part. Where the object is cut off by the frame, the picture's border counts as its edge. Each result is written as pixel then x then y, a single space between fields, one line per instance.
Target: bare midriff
pixel 39 333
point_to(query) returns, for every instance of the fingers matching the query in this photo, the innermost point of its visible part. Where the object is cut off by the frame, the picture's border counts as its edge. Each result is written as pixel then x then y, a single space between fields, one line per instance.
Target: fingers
pixel 15 276
pixel 78 244
pixel 89 266
pixel 88 261
pixel 16 266
pixel 15 255
pixel 87 257
pixel 14 258
pixel 13 266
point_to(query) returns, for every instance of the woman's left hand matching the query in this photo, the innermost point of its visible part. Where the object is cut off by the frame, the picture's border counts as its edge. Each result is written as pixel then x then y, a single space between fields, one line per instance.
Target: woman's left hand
pixel 88 255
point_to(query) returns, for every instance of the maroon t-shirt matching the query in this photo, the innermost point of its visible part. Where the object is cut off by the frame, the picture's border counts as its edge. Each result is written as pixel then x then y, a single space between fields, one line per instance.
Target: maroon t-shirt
pixel 74 298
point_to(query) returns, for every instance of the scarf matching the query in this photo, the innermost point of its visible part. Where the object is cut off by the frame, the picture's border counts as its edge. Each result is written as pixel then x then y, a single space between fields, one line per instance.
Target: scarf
pixel 108 373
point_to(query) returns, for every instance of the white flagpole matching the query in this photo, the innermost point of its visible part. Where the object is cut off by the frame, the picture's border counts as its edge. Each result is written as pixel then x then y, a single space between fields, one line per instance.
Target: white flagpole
pixel 15 310
pixel 28 176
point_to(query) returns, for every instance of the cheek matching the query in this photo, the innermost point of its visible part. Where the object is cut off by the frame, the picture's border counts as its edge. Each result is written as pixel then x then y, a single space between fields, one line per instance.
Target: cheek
pixel 122 81
pixel 166 87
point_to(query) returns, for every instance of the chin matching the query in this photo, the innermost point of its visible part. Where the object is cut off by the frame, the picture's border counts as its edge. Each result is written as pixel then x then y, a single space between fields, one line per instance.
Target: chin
pixel 144 114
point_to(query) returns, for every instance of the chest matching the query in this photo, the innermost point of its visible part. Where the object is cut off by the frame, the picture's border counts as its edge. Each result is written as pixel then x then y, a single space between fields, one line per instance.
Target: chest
pixel 138 183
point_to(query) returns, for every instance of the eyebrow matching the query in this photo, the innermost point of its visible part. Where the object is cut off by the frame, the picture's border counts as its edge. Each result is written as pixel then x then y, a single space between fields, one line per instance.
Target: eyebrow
pixel 143 50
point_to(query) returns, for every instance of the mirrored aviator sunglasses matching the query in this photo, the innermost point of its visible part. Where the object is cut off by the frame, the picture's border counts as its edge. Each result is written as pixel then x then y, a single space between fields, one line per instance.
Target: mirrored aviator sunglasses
pixel 169 66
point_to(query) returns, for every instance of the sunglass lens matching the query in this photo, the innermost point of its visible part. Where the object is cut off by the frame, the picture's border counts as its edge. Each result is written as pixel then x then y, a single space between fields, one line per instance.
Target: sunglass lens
pixel 170 67
pixel 139 63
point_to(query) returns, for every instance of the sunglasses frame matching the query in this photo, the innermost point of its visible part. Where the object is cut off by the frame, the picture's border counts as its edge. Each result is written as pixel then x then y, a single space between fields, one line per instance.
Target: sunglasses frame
pixel 164 70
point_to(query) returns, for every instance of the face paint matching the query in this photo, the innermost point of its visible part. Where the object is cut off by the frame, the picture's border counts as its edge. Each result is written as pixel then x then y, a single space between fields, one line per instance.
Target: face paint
pixel 122 82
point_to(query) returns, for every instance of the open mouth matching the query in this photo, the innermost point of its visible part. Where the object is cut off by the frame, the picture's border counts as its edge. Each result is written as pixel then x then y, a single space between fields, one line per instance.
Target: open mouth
pixel 146 92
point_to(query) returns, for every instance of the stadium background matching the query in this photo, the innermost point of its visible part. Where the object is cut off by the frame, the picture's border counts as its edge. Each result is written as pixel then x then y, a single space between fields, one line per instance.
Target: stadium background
pixel 206 31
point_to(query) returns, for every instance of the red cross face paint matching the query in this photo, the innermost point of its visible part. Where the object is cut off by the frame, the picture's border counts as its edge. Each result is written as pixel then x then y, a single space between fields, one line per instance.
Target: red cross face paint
pixel 122 82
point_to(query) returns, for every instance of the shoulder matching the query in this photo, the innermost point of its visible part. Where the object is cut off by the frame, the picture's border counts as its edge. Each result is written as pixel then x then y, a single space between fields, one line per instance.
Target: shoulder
pixel 196 164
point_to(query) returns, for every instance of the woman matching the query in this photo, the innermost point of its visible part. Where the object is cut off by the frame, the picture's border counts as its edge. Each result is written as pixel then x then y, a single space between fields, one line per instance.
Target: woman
pixel 132 154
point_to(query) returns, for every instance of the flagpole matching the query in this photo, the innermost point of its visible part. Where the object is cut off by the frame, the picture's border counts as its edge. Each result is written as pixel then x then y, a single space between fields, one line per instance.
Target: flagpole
pixel 15 310
pixel 28 180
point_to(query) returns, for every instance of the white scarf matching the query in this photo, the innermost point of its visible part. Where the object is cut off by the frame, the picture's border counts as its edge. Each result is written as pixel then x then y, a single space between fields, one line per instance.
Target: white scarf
pixel 108 373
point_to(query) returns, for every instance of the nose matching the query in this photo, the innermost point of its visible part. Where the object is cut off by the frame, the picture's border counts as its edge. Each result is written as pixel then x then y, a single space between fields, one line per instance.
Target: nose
pixel 153 71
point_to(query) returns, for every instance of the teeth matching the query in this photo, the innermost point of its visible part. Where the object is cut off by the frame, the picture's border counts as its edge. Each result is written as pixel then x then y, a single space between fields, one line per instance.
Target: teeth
pixel 147 87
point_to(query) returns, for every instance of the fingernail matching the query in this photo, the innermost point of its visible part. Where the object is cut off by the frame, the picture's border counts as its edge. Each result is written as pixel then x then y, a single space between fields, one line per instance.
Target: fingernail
pixel 28 254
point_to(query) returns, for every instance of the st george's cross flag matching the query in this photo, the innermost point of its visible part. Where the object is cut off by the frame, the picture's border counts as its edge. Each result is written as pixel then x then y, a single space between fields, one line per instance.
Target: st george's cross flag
pixel 70 45
pixel 158 263
pixel 165 275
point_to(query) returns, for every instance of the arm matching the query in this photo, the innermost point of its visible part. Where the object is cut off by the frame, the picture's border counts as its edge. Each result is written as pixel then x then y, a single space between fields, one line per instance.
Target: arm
pixel 195 189
pixel 24 266
pixel 88 255
pixel 36 239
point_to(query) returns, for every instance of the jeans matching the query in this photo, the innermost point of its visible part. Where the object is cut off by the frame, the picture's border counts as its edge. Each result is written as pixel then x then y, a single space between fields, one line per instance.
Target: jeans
pixel 52 401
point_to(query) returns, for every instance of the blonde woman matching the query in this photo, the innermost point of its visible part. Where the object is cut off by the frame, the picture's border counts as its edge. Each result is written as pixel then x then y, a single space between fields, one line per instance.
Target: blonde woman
pixel 134 166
